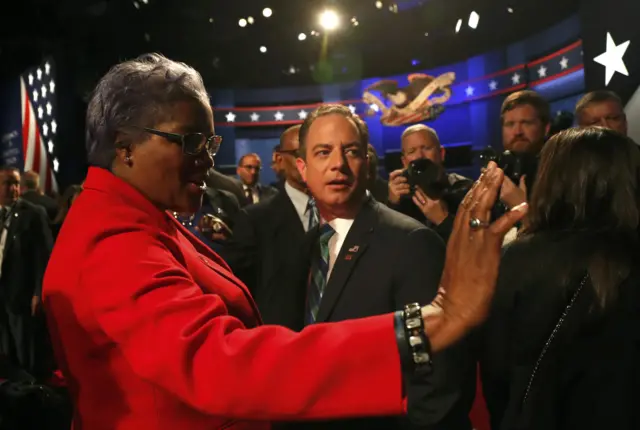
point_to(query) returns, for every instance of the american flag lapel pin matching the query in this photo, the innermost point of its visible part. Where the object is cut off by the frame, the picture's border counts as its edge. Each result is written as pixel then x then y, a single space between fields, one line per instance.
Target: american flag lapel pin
pixel 354 249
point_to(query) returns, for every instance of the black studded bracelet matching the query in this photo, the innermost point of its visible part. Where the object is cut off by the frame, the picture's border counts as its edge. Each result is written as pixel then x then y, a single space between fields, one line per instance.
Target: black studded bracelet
pixel 417 338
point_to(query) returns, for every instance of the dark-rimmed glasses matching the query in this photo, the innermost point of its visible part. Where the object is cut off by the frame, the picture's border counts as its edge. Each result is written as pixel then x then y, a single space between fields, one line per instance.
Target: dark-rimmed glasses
pixel 192 143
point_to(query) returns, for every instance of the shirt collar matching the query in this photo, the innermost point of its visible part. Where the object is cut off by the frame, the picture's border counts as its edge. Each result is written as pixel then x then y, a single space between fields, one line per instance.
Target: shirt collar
pixel 298 198
pixel 341 226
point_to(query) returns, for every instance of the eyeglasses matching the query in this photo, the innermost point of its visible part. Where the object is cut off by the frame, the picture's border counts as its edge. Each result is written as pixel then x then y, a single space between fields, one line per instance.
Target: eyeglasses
pixel 250 167
pixel 192 143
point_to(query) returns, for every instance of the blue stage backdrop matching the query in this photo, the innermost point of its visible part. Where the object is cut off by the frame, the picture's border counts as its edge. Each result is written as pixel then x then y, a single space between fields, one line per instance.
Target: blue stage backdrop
pixel 550 62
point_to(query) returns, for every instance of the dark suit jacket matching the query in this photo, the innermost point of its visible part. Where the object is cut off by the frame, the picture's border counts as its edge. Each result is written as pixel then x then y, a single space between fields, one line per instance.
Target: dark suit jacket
pixel 266 253
pixel 50 206
pixel 26 255
pixel 389 260
pixel 264 192
pixel 219 181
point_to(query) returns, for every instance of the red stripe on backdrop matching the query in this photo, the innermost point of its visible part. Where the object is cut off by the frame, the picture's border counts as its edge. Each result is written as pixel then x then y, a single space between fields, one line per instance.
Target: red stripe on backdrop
pixel 25 122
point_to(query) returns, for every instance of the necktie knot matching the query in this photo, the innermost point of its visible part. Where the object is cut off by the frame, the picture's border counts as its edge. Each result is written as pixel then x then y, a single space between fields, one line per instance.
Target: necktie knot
pixel 326 232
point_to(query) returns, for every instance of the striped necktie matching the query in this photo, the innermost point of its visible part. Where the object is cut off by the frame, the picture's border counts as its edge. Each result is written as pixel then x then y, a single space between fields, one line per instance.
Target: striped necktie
pixel 318 274
pixel 312 210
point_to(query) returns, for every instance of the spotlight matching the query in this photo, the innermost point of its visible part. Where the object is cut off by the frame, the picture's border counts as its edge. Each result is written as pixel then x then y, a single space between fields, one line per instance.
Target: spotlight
pixel 329 19
pixel 379 4
pixel 510 9
pixel 267 12
pixel 302 36
pixel 474 19
pixel 242 22
pixel 250 20
pixel 459 25
pixel 263 49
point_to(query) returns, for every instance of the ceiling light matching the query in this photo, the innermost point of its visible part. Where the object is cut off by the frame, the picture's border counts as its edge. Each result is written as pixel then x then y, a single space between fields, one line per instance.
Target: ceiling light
pixel 250 20
pixel 426 34
pixel 242 22
pixel 145 1
pixel 393 8
pixel 458 25
pixel 510 9
pixel 267 12
pixel 137 6
pixel 379 4
pixel 329 19
pixel 263 49
pixel 474 19
pixel 302 36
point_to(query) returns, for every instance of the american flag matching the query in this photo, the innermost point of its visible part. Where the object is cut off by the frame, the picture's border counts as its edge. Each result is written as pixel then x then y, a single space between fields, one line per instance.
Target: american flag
pixel 39 126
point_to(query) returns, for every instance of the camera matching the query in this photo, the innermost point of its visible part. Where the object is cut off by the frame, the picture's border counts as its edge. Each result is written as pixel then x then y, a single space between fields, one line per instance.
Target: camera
pixel 514 164
pixel 436 184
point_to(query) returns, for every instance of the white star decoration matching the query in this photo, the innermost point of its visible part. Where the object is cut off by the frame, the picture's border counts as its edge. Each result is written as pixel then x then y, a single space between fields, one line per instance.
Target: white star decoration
pixel 49 108
pixel 493 85
pixel 39 74
pixel 56 164
pixel 255 117
pixel 47 68
pixel 54 126
pixel 45 129
pixel 612 59
pixel 542 72
pixel 231 117
pixel 470 91
pixel 43 90
pixel 30 79
pixel 302 114
pixel 352 108
pixel 35 95
pixel 50 145
pixel 278 116
pixel 564 63
pixel 515 79
pixel 52 87
pixel 40 112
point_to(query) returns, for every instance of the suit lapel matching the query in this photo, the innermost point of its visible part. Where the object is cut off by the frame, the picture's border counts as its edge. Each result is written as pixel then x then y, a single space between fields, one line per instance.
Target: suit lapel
pixel 353 248
pixel 14 221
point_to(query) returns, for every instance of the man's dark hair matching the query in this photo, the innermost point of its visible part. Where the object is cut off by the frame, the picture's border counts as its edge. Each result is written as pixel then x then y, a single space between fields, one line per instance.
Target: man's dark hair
pixel 31 180
pixel 136 93
pixel 531 98
pixel 251 154
pixel 597 96
pixel 332 109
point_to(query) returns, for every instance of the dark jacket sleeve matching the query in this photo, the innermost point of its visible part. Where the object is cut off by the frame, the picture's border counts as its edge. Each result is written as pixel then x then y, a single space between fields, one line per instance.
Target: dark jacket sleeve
pixel 42 243
pixel 443 399
pixel 241 250
pixel 445 228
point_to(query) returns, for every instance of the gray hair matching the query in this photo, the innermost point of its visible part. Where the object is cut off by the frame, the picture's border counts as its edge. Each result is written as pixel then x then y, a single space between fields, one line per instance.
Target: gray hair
pixel 418 128
pixel 136 93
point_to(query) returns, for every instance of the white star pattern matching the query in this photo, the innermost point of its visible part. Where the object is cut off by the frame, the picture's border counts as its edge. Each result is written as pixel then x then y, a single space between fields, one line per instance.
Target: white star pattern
pixel 612 59
pixel 50 145
pixel 40 112
pixel 493 85
pixel 255 117
pixel 302 114
pixel 43 91
pixel 278 116
pixel 469 91
pixel 45 129
pixel 54 126
pixel 56 164
pixel 231 117
pixel 47 68
pixel 352 108
pixel 542 72
pixel 49 108
pixel 39 74
pixel 52 87
pixel 515 79
pixel 564 63
pixel 35 95
pixel 30 79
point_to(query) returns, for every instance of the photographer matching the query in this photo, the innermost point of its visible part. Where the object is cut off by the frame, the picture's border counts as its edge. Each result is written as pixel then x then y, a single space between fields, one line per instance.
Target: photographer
pixel 435 209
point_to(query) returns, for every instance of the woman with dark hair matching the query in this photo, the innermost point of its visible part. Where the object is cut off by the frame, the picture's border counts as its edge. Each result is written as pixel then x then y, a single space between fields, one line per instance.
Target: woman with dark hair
pixel 562 344
pixel 67 199
pixel 153 331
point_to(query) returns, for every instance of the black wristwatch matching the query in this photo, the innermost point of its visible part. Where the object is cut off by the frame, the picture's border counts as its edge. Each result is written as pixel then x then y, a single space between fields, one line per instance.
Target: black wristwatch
pixel 413 342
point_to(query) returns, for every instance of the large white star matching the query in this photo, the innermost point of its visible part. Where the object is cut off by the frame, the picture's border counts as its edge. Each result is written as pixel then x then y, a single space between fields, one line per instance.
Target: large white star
pixel 542 72
pixel 515 79
pixel 493 85
pixel 255 117
pixel 231 117
pixel 564 63
pixel 302 114
pixel 612 59
pixel 278 115
pixel 470 91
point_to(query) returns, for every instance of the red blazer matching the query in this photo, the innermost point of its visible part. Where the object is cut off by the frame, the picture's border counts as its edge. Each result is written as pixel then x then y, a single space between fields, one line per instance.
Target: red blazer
pixel 153 331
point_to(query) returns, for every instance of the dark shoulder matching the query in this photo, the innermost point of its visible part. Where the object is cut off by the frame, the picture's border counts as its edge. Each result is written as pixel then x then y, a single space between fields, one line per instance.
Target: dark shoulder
pixel 395 221
pixel 26 206
pixel 265 207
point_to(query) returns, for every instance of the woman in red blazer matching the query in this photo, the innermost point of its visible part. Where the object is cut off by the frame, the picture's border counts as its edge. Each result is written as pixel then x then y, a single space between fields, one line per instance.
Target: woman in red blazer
pixel 151 328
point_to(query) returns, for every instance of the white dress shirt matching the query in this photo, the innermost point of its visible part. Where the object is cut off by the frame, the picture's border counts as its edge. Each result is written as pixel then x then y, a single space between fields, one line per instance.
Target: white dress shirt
pixel 255 197
pixel 300 202
pixel 341 227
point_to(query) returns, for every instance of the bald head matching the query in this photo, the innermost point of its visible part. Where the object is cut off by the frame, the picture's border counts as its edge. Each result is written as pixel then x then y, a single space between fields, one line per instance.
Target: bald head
pixel 289 145
pixel 289 140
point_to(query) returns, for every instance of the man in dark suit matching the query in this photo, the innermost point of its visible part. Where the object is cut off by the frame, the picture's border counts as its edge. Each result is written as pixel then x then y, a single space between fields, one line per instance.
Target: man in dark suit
pixel 219 181
pixel 370 260
pixel 25 245
pixel 32 192
pixel 265 251
pixel 248 170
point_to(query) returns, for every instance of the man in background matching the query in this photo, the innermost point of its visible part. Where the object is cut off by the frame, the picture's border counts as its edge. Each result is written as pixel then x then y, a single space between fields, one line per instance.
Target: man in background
pixel 32 193
pixel 603 108
pixel 248 171
pixel 378 187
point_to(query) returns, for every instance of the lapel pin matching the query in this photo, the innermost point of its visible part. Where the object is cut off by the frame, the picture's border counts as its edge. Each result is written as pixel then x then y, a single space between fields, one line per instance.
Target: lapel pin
pixel 348 257
pixel 354 249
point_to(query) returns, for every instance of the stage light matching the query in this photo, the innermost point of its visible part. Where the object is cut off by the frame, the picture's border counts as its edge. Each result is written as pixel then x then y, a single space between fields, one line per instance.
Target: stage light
pixel 267 12
pixel 329 20
pixel 250 20
pixel 459 26
pixel 302 36
pixel 242 22
pixel 474 20
pixel 510 9
pixel 263 49
pixel 354 21
pixel 379 4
